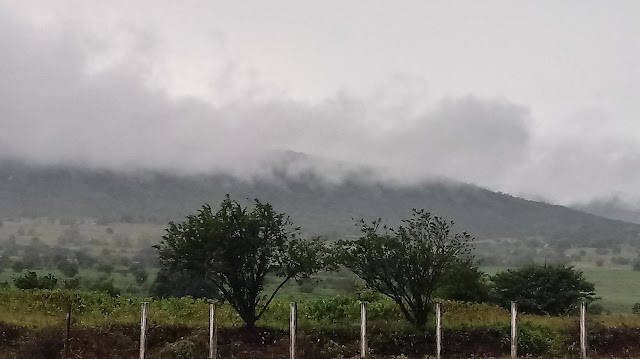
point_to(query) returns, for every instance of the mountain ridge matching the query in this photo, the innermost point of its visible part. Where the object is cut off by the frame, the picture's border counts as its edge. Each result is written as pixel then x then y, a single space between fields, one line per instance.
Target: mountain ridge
pixel 318 206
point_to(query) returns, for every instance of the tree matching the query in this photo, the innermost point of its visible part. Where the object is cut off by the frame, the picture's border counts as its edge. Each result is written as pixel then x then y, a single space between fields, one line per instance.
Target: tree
pixel 235 248
pixel 542 289
pixel 408 264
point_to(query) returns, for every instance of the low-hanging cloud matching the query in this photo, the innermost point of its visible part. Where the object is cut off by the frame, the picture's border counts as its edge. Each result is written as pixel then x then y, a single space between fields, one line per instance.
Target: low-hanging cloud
pixel 53 110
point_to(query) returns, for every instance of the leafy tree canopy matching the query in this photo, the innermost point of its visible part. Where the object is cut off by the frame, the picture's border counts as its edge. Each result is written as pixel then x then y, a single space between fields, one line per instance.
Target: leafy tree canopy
pixel 235 248
pixel 542 289
pixel 410 263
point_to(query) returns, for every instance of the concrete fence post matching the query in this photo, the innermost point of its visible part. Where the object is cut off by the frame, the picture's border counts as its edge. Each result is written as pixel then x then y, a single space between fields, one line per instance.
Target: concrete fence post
pixel 438 330
pixel 514 330
pixel 583 329
pixel 293 324
pixel 213 332
pixel 363 330
pixel 143 329
pixel 65 349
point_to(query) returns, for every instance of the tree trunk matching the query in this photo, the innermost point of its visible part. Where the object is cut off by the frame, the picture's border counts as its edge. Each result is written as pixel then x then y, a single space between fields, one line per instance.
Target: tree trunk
pixel 421 318
pixel 249 318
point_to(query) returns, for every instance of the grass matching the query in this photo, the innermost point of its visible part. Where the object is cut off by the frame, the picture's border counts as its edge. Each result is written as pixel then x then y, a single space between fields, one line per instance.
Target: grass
pixel 618 288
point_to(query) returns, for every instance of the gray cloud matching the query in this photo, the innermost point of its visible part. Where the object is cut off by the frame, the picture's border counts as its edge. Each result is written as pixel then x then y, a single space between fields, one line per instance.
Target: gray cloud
pixel 56 107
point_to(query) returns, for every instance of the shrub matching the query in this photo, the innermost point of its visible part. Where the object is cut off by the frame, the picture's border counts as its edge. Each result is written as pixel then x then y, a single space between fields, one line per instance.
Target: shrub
pixel 547 290
pixel 72 284
pixel 68 267
pixel 105 285
pixel 30 280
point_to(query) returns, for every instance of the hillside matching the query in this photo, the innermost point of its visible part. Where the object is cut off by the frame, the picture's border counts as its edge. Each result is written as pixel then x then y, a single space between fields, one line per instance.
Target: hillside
pixel 318 207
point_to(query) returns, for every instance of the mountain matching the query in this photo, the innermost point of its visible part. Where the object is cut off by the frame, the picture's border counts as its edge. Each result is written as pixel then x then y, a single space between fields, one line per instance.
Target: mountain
pixel 319 207
pixel 614 207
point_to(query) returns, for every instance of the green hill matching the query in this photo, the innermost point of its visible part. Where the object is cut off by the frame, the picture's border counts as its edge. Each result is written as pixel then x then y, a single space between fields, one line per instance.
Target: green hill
pixel 318 207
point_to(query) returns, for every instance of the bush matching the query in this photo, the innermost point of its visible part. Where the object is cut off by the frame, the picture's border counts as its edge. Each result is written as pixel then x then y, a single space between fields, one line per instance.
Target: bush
pixel 105 285
pixel 71 284
pixel 595 309
pixel 30 280
pixel 546 290
pixel 140 275
pixel 68 267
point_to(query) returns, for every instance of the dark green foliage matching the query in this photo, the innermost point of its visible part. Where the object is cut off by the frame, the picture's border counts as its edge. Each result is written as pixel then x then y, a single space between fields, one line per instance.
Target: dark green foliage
pixel 595 309
pixel 105 268
pixel 68 267
pixel 139 273
pixel 542 289
pixel 182 284
pixel 105 284
pixel 466 284
pixel 408 264
pixel 30 280
pixel 636 264
pixel 636 309
pixel 235 248
pixel 72 284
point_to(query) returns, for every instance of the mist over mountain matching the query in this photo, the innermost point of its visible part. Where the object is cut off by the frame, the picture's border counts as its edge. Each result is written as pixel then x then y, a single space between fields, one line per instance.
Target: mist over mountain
pixel 318 205
pixel 614 207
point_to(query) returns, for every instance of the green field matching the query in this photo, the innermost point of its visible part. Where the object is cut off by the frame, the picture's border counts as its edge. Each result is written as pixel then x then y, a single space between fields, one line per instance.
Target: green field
pixel 617 285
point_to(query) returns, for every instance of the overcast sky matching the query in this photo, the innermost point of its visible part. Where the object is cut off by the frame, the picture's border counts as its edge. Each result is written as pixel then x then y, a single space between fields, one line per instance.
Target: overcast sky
pixel 534 98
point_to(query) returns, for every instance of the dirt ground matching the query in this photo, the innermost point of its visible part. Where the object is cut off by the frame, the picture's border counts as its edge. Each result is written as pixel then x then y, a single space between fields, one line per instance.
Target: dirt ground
pixel 122 341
